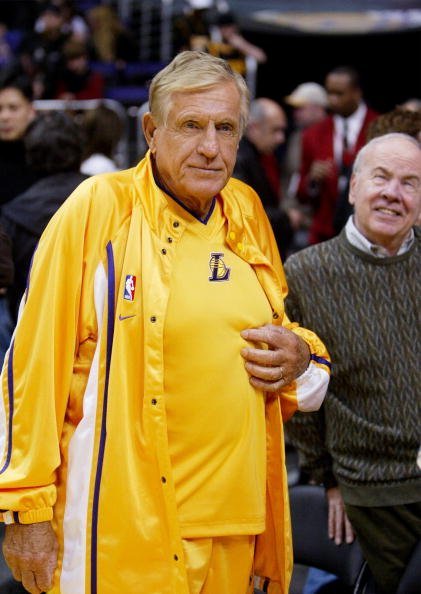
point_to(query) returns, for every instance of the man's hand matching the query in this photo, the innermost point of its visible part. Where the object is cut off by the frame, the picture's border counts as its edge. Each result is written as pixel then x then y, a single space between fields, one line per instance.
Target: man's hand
pixel 286 357
pixel 339 527
pixel 30 550
pixel 320 170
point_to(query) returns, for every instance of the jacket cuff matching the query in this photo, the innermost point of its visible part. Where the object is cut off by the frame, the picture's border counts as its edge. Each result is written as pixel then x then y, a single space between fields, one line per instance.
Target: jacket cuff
pixel 27 517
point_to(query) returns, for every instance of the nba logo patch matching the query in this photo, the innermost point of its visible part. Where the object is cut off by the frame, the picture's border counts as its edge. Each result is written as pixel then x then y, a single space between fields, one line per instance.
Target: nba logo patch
pixel 129 287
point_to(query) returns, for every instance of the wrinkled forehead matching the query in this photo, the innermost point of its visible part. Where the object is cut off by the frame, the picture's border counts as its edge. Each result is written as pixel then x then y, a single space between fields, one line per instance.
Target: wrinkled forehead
pixel 396 154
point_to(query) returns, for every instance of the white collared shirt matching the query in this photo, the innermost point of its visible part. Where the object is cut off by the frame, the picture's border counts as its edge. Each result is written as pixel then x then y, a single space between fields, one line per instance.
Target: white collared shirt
pixel 354 124
pixel 357 239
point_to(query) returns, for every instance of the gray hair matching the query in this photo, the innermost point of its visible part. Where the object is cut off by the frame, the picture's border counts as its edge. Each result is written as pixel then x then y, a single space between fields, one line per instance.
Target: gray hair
pixel 359 159
pixel 193 71
pixel 257 111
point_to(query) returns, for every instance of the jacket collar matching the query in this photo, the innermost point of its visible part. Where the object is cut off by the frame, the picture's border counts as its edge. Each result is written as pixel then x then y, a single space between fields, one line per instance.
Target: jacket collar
pixel 243 235
pixel 242 230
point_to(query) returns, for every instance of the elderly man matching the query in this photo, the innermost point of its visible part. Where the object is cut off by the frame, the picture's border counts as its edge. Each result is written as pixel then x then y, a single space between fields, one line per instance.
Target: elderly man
pixel 360 292
pixel 143 389
pixel 258 163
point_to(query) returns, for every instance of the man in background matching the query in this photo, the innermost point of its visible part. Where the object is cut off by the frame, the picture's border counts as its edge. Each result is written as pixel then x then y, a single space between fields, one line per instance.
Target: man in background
pixel 328 151
pixel 258 163
pixel 54 146
pixel 308 102
pixel 360 293
pixel 16 113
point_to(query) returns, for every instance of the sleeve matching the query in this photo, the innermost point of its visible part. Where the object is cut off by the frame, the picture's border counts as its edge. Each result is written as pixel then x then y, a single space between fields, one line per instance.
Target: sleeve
pixel 307 392
pixel 37 373
pixel 306 432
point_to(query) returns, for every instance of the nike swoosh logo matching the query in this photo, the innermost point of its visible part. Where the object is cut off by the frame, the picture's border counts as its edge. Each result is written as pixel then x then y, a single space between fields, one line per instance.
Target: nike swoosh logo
pixel 120 317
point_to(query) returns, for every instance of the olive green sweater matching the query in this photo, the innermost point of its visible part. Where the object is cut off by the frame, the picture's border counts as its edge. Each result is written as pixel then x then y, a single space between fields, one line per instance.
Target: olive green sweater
pixel 367 435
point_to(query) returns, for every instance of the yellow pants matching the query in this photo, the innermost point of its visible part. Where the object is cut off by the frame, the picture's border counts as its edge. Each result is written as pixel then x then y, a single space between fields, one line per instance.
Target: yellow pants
pixel 221 565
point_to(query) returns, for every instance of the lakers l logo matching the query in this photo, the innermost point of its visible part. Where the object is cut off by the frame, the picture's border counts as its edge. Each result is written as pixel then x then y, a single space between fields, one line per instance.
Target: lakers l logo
pixel 219 271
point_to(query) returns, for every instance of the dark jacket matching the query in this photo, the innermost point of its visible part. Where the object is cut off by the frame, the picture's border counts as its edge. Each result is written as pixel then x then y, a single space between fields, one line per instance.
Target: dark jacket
pixel 26 217
pixel 15 174
pixel 6 261
pixel 249 169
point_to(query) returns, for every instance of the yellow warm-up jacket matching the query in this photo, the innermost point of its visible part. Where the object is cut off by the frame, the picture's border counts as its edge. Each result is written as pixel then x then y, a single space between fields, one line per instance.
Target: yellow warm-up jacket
pixel 83 432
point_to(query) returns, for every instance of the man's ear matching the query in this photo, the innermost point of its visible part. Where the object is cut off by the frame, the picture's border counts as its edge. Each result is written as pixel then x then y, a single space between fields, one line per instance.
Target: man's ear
pixel 149 129
pixel 351 195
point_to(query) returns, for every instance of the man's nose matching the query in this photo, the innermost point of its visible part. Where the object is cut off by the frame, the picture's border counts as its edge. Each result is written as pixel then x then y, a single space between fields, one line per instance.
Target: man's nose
pixel 393 188
pixel 209 145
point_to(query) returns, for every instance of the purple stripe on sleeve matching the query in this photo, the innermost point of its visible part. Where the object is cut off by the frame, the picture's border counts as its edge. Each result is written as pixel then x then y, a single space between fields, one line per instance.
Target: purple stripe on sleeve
pixel 10 389
pixel 103 436
pixel 321 360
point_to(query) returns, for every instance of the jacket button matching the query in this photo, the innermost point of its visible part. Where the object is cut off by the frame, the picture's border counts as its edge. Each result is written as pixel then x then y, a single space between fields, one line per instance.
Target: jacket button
pixel 163 479
pixel 169 239
pixel 153 318
pixel 275 315
pixel 154 401
pixel 163 251
pixel 176 224
pixel 175 557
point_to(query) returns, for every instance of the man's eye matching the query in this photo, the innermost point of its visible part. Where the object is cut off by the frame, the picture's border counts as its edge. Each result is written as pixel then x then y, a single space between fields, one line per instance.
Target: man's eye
pixel 190 125
pixel 411 184
pixel 226 129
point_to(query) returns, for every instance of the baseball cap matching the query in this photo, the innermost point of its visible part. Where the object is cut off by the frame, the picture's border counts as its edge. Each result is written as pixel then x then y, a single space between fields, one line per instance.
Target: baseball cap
pixel 309 92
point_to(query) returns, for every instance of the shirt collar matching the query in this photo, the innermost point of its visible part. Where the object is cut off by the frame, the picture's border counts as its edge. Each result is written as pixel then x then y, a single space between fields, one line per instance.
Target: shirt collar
pixel 358 240
pixel 354 124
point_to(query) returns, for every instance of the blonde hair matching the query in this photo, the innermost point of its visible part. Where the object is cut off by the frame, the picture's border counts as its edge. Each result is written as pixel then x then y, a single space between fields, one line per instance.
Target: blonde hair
pixel 193 71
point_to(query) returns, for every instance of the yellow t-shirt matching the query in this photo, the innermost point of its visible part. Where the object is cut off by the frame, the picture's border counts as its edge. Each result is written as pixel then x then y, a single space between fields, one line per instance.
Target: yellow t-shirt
pixel 216 419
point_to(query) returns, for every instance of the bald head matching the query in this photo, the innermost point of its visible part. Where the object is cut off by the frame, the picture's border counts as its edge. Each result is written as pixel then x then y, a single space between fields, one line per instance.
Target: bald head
pixel 391 144
pixel 267 125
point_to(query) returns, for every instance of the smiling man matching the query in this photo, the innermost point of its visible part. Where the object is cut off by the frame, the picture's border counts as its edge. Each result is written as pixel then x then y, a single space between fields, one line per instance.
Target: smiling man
pixel 360 293
pixel 151 368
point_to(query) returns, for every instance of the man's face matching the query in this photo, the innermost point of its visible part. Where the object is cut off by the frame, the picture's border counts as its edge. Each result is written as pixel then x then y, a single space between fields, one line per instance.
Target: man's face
pixel 196 148
pixel 386 192
pixel 78 65
pixel 269 133
pixel 308 114
pixel 16 112
pixel 343 97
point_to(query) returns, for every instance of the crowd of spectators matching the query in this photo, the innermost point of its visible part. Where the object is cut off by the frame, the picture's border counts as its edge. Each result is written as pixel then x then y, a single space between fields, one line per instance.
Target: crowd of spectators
pixel 57 45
